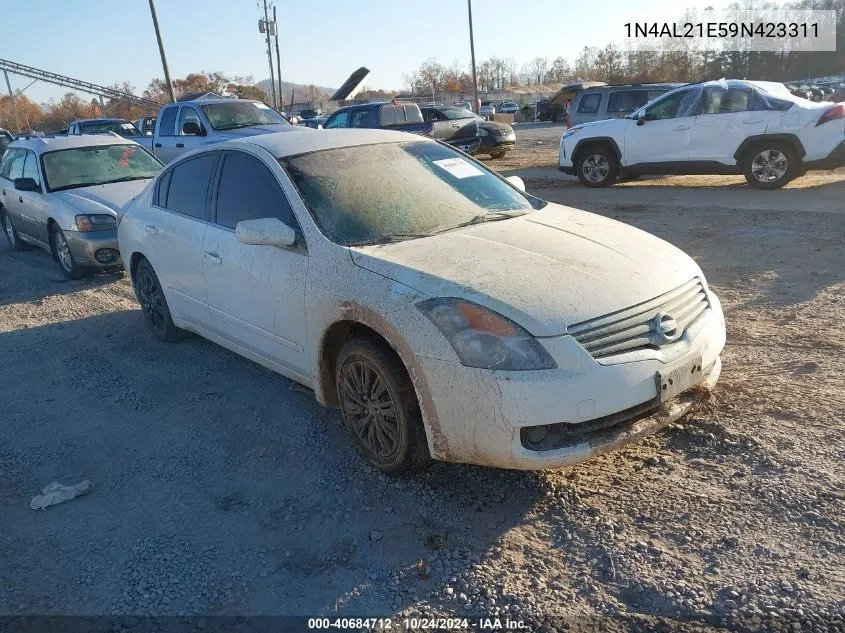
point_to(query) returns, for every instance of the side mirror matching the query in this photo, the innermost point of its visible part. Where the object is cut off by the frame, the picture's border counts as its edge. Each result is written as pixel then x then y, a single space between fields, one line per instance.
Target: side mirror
pixel 265 231
pixel 27 184
pixel 641 118
pixel 192 128
pixel 517 182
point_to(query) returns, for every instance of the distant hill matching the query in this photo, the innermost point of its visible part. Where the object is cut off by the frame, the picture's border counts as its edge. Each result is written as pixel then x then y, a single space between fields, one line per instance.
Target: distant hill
pixel 299 89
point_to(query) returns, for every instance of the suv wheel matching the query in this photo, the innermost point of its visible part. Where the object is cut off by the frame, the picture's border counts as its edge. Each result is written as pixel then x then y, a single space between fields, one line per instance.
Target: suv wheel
pixel 597 167
pixel 379 407
pixel 770 166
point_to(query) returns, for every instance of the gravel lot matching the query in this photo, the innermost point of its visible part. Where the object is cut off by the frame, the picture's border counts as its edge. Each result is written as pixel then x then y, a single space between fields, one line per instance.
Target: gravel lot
pixel 221 488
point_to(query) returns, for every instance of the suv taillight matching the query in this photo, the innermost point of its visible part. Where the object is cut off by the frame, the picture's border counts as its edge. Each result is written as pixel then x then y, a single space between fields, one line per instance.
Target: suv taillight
pixel 568 124
pixel 836 112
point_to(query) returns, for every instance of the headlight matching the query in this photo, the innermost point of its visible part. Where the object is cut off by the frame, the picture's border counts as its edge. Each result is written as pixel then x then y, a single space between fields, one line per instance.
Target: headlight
pixel 88 223
pixel 483 132
pixel 484 339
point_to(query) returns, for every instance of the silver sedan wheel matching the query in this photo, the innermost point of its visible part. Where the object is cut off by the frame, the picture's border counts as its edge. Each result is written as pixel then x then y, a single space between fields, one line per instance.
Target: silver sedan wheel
pixel 595 168
pixel 10 231
pixel 770 165
pixel 63 251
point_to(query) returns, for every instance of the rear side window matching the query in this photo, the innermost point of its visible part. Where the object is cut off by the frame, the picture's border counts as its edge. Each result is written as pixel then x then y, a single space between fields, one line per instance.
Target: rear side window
pixel 413 114
pixel 760 101
pixel 589 103
pixel 626 101
pixel 188 186
pixel 339 119
pixel 12 165
pixel 249 191
pixel 168 122
pixel 720 100
pixel 389 115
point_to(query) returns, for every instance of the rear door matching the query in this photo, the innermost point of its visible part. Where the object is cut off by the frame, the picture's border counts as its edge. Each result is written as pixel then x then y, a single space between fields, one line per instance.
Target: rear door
pixel 11 167
pixel 725 118
pixel 173 234
pixel 166 138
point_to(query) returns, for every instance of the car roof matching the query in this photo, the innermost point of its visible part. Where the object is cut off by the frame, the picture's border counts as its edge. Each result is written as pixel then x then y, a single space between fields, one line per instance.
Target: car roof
pixel 41 144
pixel 103 120
pixel 304 140
pixel 210 100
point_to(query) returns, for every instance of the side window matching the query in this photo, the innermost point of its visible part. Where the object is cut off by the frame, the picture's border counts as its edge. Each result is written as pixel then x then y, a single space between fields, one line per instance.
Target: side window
pixel 361 118
pixel 168 122
pixel 626 101
pixel 338 119
pixel 760 101
pixel 589 103
pixel 187 115
pixel 189 186
pixel 6 163
pixel 30 167
pixel 388 115
pixel 160 198
pixel 720 100
pixel 677 104
pixel 249 191
pixel 14 168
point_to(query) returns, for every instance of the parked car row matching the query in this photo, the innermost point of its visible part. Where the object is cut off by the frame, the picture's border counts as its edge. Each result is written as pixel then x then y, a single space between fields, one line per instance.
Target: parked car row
pixel 754 128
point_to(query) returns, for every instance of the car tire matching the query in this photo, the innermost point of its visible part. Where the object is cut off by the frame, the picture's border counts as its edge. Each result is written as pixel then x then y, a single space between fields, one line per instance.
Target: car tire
pixel 770 165
pixel 63 255
pixel 498 154
pixel 596 167
pixel 154 304
pixel 387 426
pixel 11 234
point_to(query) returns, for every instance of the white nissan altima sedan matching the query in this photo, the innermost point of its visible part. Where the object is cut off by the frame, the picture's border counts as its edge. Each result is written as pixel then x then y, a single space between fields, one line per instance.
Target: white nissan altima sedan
pixel 449 314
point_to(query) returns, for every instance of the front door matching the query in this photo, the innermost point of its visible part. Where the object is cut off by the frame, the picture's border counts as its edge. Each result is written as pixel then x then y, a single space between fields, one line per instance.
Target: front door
pixel 33 204
pixel 664 135
pixel 174 229
pixel 725 119
pixel 256 294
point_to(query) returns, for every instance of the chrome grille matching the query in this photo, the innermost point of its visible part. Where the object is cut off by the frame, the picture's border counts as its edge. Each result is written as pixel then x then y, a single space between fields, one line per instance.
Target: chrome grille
pixel 649 325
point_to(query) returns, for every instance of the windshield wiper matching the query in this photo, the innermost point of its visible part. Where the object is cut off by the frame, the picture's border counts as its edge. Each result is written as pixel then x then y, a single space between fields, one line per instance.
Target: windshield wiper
pixel 493 216
pixel 389 239
pixel 124 179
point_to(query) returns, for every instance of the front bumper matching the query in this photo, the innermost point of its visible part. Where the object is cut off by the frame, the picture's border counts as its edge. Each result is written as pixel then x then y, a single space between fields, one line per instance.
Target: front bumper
pixel 491 143
pixel 85 246
pixel 833 160
pixel 481 413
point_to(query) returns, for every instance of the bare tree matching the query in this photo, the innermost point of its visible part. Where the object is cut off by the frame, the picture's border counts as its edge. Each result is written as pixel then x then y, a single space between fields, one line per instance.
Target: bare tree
pixel 560 72
pixel 539 67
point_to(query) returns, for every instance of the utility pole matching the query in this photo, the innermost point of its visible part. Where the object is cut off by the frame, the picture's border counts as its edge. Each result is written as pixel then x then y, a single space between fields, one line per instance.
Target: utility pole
pixel 278 60
pixel 12 96
pixel 161 51
pixel 269 55
pixel 472 54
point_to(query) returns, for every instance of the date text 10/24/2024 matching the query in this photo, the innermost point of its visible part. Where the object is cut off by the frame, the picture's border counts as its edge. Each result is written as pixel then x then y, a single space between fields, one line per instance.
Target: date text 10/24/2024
pixel 418 624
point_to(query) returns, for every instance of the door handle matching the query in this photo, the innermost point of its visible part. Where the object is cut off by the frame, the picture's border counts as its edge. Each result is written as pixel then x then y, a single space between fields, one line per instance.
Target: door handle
pixel 214 258
pixel 151 229
pixel 681 128
pixel 180 145
pixel 20 199
pixel 158 144
pixel 754 122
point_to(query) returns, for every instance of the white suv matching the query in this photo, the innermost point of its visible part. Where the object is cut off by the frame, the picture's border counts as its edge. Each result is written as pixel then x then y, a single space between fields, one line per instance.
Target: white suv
pixel 755 128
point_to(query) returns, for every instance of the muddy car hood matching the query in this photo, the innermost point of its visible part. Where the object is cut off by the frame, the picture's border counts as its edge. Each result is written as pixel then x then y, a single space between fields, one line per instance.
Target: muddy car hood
pixel 108 198
pixel 545 270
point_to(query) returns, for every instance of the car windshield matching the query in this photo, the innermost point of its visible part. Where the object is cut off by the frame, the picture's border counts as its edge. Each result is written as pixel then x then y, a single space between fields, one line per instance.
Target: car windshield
pixel 98 165
pixel 393 191
pixel 124 128
pixel 237 114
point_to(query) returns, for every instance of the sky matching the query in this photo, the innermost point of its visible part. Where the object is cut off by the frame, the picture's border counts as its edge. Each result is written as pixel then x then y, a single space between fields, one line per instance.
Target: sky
pixel 108 41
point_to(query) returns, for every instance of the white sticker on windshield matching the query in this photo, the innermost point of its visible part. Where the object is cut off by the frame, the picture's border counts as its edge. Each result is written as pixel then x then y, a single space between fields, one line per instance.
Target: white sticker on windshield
pixel 262 106
pixel 459 168
pixel 126 126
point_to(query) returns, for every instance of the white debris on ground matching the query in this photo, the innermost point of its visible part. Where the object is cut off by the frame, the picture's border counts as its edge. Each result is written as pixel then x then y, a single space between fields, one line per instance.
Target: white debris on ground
pixel 56 493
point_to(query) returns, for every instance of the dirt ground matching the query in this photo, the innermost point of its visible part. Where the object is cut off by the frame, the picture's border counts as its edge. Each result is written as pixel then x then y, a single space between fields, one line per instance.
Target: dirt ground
pixel 221 488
